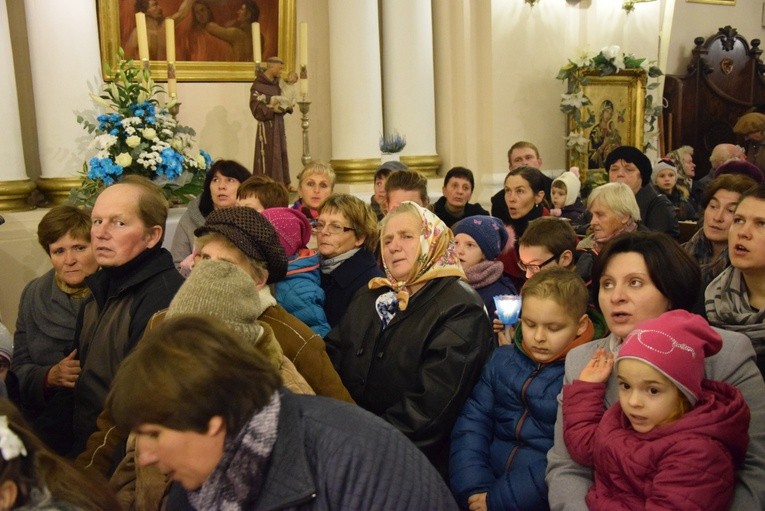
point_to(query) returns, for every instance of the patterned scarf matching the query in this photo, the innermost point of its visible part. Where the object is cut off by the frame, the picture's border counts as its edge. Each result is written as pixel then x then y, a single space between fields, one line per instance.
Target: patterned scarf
pixel 78 292
pixel 237 478
pixel 330 265
pixel 435 259
pixel 701 249
pixel 727 306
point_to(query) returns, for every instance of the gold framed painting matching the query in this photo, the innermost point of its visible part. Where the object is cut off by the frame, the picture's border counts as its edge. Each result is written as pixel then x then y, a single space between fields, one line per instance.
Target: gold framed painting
pixel 213 38
pixel 716 2
pixel 616 109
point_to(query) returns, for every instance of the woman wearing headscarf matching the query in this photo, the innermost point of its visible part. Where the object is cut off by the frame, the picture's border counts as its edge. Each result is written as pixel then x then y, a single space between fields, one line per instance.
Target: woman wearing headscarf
pixel 411 346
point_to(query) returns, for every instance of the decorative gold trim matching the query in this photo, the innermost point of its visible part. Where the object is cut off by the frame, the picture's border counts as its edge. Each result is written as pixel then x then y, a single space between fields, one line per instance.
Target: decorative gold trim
pixel 362 170
pixel 188 71
pixel 14 194
pixel 57 189
pixel 716 2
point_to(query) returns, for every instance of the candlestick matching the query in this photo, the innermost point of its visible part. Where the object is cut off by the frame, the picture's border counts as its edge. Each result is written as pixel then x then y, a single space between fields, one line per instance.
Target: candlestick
pixel 256 55
pixel 170 49
pixel 304 107
pixel 143 38
pixel 303 59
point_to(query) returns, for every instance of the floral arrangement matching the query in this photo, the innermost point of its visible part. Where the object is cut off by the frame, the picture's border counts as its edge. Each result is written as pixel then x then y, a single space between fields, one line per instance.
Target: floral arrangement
pixel 138 135
pixel 392 142
pixel 610 60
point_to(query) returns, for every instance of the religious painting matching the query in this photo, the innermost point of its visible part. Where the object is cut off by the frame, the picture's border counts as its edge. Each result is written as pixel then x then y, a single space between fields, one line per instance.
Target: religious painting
pixel 717 2
pixel 213 38
pixel 616 111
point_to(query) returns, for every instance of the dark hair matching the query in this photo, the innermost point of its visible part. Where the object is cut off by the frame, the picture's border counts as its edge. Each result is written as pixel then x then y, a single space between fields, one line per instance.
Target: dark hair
pixel 227 168
pixel 731 182
pixel 188 370
pixel 632 155
pixel 551 232
pixel 41 468
pixel 533 176
pixel 60 221
pixel 389 167
pixel 254 11
pixel 674 273
pixel 756 192
pixel 460 172
pixel 270 193
pixel 409 180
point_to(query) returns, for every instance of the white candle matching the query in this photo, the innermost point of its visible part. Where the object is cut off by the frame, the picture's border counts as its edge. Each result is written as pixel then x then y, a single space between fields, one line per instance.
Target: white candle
pixel 256 42
pixel 143 38
pixel 303 58
pixel 170 48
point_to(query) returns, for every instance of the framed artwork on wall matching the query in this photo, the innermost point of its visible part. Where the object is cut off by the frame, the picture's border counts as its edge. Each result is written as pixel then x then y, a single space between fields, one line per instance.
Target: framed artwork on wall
pixel 616 109
pixel 213 38
pixel 717 2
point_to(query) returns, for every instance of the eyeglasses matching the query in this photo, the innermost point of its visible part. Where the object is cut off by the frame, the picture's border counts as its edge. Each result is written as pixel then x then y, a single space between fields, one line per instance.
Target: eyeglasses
pixel 534 268
pixel 318 227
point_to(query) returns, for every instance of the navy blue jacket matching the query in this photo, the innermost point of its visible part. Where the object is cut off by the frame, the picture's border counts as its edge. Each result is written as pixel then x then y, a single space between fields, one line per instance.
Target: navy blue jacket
pixel 340 285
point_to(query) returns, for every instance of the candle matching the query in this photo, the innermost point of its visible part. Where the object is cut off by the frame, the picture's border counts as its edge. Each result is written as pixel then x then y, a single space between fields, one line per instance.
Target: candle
pixel 256 42
pixel 143 38
pixel 303 58
pixel 170 49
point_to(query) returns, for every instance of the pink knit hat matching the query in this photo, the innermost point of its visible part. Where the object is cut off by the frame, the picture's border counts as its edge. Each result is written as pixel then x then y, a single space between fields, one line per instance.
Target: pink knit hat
pixel 292 226
pixel 674 344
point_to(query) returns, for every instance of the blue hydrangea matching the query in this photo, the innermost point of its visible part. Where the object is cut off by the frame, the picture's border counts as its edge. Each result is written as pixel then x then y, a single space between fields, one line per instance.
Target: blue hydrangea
pixel 104 169
pixel 171 165
pixel 207 157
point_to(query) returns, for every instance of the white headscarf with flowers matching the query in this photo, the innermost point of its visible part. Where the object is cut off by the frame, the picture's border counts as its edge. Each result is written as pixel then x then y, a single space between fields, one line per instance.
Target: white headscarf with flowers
pixel 435 259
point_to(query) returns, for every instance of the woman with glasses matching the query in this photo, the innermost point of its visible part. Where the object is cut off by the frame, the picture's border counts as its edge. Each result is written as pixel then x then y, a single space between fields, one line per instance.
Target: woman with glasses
pixel 346 236
pixel 411 345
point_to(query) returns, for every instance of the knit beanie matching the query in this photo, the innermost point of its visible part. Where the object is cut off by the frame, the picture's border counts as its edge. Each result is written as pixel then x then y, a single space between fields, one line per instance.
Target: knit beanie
pixel 222 290
pixel 252 233
pixel 6 343
pixel 661 165
pixel 489 232
pixel 742 167
pixel 631 155
pixel 675 344
pixel 292 226
pixel 749 123
pixel 570 178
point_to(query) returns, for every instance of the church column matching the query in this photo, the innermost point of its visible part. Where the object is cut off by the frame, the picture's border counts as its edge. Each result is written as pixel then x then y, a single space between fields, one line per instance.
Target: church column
pixel 356 96
pixel 408 83
pixel 65 62
pixel 14 183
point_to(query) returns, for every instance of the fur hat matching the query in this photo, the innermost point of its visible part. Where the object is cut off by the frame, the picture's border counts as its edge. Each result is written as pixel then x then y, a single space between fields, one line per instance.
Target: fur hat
pixel 6 343
pixel 489 232
pixel 292 226
pixel 675 344
pixel 252 233
pixel 223 291
pixel 631 155
pixel 570 179
pixel 742 167
pixel 661 165
pixel 749 123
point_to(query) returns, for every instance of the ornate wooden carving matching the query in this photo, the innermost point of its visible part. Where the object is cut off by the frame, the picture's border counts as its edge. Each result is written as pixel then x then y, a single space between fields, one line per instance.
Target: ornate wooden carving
pixel 725 78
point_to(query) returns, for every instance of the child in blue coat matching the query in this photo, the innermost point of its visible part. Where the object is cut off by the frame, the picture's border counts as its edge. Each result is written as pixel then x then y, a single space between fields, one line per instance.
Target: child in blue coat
pixel 300 291
pixel 500 441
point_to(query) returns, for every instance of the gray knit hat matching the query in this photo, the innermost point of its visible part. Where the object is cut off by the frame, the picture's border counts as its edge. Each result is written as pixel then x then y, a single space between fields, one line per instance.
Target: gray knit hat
pixel 252 233
pixel 224 291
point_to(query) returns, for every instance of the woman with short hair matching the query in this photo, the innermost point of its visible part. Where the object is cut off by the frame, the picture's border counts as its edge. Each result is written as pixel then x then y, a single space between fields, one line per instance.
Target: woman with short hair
pixel 614 211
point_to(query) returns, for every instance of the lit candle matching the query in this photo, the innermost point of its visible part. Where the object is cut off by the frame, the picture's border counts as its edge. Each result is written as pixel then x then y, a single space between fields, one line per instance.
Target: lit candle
pixel 303 58
pixel 256 42
pixel 170 49
pixel 143 38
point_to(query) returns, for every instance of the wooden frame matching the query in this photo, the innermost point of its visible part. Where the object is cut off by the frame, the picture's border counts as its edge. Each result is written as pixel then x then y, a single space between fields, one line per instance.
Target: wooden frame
pixel 116 21
pixel 716 2
pixel 618 107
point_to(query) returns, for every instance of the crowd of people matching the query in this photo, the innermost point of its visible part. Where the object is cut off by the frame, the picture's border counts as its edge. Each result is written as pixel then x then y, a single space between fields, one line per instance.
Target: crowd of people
pixel 339 354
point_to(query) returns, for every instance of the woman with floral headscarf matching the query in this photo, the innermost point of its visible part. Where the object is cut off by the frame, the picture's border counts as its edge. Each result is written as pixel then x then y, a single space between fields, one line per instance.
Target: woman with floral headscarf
pixel 411 345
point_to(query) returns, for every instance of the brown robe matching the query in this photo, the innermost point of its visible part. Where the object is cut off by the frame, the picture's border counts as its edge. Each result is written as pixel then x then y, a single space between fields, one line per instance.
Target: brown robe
pixel 270 138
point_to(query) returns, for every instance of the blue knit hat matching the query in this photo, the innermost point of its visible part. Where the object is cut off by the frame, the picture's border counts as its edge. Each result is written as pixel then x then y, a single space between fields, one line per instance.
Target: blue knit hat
pixel 489 232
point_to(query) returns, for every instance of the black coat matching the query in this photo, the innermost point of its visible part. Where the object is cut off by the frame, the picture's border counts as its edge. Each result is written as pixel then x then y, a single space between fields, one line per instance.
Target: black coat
pixel 340 285
pixel 417 373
